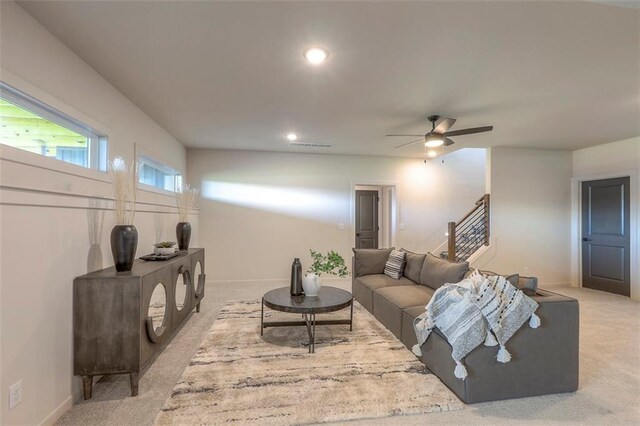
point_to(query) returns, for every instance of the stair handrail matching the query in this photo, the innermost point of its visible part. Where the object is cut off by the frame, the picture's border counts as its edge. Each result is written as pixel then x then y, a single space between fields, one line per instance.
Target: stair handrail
pixel 482 203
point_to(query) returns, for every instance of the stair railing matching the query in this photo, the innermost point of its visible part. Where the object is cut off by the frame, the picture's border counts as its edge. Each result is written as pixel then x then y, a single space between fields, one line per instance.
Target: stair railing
pixel 470 233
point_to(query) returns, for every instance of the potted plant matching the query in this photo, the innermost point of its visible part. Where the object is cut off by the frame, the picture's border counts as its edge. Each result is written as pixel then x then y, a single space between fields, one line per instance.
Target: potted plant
pixel 164 247
pixel 331 263
pixel 124 236
pixel 185 201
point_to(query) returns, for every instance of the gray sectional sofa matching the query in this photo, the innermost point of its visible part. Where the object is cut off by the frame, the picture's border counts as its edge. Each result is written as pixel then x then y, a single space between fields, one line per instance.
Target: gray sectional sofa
pixel 544 360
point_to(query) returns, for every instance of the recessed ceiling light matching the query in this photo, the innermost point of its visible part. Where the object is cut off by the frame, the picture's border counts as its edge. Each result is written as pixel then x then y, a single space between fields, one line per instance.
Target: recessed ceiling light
pixel 292 136
pixel 316 55
pixel 432 153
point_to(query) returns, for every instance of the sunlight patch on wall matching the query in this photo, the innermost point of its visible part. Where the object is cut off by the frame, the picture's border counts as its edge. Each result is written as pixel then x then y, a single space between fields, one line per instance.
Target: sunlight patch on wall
pixel 323 206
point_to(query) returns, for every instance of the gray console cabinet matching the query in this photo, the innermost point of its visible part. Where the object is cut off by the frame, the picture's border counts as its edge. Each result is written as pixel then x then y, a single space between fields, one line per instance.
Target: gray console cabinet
pixel 119 324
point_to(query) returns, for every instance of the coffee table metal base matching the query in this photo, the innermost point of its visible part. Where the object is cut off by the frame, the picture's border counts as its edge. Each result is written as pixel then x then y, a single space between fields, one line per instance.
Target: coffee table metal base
pixel 308 320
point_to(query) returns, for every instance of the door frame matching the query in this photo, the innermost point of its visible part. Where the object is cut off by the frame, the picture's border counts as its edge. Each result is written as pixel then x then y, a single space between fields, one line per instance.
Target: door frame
pixel 576 226
pixel 388 226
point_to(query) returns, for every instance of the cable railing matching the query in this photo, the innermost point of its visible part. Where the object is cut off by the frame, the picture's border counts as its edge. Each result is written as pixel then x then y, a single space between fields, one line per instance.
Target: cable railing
pixel 470 233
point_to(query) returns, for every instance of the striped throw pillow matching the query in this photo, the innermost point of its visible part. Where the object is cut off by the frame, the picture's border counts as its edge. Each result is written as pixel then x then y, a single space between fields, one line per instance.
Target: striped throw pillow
pixel 395 264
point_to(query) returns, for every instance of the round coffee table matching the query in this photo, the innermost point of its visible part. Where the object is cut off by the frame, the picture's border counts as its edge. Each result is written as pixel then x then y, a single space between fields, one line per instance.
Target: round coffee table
pixel 329 299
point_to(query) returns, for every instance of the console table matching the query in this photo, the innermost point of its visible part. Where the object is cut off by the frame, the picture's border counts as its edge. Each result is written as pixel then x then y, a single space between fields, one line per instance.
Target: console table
pixel 122 319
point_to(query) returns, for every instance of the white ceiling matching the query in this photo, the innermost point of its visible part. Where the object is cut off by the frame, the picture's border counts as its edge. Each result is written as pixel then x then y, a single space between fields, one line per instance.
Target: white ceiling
pixel 232 75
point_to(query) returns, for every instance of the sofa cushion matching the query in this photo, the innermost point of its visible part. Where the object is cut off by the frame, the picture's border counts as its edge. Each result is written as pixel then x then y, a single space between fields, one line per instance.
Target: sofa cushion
pixel 363 287
pixel 377 281
pixel 413 265
pixel 405 296
pixel 370 261
pixel 395 264
pixel 437 272
pixel 389 302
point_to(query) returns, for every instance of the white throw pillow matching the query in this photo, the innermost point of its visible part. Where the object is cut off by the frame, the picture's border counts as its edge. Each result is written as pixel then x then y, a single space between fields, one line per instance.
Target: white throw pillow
pixel 395 264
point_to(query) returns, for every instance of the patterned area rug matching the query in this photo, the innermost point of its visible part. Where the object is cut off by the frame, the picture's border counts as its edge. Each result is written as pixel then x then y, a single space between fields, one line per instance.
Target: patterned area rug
pixel 240 377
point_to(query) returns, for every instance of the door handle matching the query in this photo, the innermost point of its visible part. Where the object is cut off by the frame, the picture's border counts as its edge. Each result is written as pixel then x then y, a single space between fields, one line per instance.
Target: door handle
pixel 357 234
pixel 586 239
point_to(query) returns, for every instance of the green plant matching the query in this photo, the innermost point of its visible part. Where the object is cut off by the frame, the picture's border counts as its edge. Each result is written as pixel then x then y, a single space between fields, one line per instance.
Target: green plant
pixel 331 263
pixel 165 244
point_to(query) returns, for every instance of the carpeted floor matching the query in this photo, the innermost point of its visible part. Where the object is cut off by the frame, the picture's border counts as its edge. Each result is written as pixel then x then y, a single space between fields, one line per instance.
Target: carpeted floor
pixel 609 391
pixel 240 377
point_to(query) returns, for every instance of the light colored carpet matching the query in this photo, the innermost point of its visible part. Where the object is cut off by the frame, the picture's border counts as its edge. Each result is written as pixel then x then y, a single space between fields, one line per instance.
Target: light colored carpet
pixel 239 377
pixel 609 390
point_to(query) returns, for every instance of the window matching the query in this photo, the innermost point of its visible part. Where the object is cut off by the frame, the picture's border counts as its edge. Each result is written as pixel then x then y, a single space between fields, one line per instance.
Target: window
pixel 158 175
pixel 30 125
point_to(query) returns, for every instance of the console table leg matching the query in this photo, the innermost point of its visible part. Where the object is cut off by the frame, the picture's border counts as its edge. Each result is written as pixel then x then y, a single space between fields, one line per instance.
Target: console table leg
pixel 134 377
pixel 87 386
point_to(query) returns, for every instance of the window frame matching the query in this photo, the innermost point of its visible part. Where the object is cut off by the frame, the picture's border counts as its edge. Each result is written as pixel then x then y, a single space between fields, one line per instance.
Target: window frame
pixel 97 142
pixel 143 159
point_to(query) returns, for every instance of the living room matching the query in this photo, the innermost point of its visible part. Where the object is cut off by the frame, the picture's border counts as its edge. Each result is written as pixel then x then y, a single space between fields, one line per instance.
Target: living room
pixel 276 113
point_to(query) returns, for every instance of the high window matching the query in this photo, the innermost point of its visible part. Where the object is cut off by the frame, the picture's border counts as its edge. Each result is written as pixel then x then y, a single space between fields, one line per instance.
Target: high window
pixel 33 126
pixel 158 175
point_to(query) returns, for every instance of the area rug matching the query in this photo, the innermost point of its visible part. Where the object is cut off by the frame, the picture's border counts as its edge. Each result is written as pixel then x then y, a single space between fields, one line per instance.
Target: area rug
pixel 240 377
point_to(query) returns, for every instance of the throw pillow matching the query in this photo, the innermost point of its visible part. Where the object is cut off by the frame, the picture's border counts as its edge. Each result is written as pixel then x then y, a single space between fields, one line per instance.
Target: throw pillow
pixel 513 278
pixel 528 285
pixel 437 272
pixel 370 261
pixel 395 264
pixel 413 265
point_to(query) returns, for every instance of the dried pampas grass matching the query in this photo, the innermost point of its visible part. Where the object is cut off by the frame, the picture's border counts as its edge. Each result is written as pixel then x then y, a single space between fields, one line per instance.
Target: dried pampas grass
pixel 185 200
pixel 125 186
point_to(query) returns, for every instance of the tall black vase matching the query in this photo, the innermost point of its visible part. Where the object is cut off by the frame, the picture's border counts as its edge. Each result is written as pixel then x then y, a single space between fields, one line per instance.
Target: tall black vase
pixel 296 278
pixel 183 235
pixel 124 242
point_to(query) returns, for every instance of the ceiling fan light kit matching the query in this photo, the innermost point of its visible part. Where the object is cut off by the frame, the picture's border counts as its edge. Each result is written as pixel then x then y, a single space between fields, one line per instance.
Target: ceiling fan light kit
pixel 433 140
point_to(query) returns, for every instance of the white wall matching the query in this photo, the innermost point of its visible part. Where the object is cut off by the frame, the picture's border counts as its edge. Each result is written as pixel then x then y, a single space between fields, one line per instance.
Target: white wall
pixel 55 219
pixel 601 162
pixel 259 210
pixel 530 213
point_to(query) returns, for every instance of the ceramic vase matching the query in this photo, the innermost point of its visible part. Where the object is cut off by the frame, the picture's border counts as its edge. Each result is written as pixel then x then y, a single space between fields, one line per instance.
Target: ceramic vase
pixel 124 242
pixel 311 284
pixel 183 235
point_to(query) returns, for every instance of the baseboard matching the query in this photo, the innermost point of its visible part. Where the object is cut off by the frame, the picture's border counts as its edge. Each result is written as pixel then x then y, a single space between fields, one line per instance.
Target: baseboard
pixel 58 412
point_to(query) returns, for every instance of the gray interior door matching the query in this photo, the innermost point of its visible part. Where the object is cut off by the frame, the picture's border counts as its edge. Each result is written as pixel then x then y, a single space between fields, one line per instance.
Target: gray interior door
pixel 366 219
pixel 605 235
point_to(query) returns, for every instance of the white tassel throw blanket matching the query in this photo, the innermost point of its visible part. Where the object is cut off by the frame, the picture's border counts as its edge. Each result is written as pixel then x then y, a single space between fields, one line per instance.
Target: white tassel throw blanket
pixel 476 310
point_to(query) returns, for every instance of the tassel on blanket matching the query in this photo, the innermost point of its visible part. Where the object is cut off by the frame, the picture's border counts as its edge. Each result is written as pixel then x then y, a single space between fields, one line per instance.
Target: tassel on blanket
pixel 490 340
pixel 416 350
pixel 460 372
pixel 534 322
pixel 503 355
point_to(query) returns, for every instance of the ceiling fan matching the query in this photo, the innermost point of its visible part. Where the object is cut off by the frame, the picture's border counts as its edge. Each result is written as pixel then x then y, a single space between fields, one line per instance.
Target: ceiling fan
pixel 439 135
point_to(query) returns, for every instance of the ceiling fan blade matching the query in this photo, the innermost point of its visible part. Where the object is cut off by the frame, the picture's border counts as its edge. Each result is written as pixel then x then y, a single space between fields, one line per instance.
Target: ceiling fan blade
pixel 448 142
pixel 409 143
pixel 469 131
pixel 406 135
pixel 444 125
